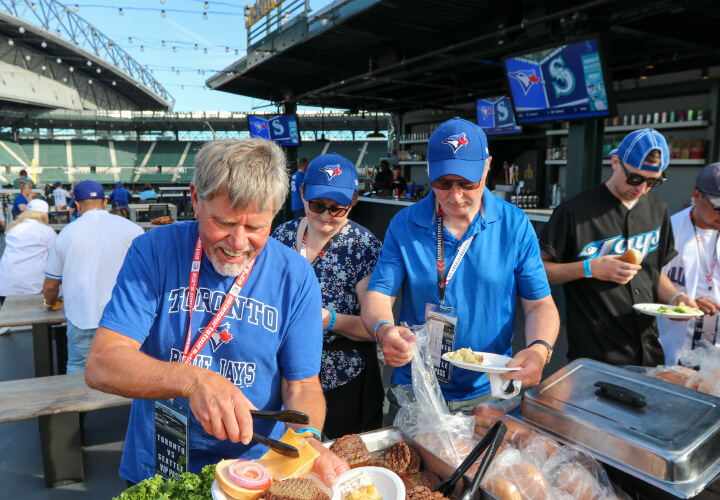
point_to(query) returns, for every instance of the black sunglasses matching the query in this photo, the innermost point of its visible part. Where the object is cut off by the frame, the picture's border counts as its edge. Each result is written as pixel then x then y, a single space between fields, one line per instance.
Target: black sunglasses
pixel 446 185
pixel 636 180
pixel 319 208
pixel 714 206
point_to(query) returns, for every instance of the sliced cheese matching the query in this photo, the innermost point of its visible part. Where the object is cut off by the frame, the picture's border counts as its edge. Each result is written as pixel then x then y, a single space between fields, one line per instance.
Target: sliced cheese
pixel 282 467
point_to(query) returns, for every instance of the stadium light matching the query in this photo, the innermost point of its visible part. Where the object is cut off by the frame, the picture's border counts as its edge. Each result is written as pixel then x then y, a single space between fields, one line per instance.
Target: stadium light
pixel 114 83
pixel 21 29
pixel 43 44
pixel 58 60
pixel 207 6
pixel 162 13
pixel 163 43
pixel 11 42
pixel 204 15
pixel 76 7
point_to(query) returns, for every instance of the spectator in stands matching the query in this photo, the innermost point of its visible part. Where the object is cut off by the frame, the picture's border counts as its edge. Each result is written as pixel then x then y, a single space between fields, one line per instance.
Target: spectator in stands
pixel 398 182
pixel 119 197
pixel 27 243
pixel 23 179
pixel 296 181
pixel 121 211
pixel 86 257
pixel 148 194
pixel 383 178
pixel 22 198
pixel 61 196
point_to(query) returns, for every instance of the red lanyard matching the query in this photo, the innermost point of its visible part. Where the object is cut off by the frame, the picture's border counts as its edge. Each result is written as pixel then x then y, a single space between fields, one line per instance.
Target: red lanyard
pixel 303 248
pixel 190 354
pixel 701 251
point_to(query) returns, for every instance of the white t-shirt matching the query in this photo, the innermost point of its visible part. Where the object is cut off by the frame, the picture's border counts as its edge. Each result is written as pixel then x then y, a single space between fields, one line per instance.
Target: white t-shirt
pixel 87 256
pixel 687 274
pixel 61 197
pixel 22 263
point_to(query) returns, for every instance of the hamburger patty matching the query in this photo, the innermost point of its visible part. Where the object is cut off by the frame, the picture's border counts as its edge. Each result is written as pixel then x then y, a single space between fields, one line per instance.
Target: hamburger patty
pixel 352 449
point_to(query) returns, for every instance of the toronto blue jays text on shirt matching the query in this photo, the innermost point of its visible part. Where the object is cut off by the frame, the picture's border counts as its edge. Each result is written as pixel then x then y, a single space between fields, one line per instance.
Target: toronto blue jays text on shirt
pixel 617 245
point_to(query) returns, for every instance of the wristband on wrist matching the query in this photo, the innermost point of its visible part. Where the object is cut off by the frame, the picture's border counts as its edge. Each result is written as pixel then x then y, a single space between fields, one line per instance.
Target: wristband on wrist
pixel 332 321
pixel 310 429
pixel 379 324
pixel 47 305
pixel 588 271
pixel 674 297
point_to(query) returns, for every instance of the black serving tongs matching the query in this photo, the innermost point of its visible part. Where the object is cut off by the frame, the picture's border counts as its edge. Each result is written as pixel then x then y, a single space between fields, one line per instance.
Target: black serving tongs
pixel 491 441
pixel 289 416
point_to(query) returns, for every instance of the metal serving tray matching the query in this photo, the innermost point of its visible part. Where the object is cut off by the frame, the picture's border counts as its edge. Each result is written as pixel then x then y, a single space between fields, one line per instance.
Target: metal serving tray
pixel 383 438
pixel 672 442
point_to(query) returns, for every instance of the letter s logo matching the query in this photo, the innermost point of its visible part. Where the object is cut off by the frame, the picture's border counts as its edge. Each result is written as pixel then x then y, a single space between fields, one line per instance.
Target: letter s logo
pixel 502 111
pixel 278 128
pixel 563 79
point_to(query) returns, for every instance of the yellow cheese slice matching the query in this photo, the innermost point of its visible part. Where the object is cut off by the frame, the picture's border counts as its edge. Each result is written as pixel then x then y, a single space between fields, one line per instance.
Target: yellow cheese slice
pixel 282 467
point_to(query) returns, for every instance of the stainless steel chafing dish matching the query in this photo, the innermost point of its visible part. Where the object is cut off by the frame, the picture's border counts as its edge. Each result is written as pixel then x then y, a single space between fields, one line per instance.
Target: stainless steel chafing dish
pixel 664 435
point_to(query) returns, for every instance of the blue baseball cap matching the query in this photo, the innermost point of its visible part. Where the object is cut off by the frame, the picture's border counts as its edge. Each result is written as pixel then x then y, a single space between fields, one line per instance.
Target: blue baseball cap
pixel 88 190
pixel 57 184
pixel 331 176
pixel 118 184
pixel 708 182
pixel 457 147
pixel 635 147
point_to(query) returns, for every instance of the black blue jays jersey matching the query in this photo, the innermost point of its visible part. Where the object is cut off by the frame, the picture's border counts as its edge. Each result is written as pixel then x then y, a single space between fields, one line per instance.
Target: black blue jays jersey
pixel 601 323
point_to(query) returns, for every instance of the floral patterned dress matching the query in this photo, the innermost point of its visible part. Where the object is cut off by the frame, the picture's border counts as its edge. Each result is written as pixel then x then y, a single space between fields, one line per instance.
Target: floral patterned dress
pixel 350 258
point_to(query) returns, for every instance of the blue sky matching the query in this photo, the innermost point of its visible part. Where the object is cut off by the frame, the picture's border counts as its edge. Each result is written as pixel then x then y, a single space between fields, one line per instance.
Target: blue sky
pixel 182 27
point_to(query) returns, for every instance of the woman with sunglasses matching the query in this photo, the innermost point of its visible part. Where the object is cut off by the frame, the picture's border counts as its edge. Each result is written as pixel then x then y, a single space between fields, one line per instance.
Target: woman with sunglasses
pixel 343 255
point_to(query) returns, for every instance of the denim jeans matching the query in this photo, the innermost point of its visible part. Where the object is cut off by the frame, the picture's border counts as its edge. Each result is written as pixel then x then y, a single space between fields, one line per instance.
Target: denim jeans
pixel 78 345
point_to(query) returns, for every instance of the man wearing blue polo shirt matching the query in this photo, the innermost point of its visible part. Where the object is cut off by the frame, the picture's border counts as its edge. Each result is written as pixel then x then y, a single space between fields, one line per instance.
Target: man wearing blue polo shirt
pixel 461 256
pixel 119 197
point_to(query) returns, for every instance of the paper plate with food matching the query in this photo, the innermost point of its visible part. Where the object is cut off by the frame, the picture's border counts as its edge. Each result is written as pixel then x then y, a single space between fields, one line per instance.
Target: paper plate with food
pixel 478 361
pixel 681 311
pixel 370 483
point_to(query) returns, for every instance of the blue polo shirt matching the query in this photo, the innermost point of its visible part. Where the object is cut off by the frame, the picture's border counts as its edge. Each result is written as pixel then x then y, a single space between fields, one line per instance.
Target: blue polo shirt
pixel 502 261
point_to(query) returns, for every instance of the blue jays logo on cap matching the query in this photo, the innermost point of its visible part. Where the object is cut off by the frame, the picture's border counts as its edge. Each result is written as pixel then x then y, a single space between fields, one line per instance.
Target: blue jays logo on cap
pixel 526 79
pixel 456 141
pixel 331 170
pixel 486 111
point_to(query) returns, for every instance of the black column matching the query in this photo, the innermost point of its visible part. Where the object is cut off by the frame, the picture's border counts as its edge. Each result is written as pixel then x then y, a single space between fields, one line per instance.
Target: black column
pixel 584 156
pixel 289 108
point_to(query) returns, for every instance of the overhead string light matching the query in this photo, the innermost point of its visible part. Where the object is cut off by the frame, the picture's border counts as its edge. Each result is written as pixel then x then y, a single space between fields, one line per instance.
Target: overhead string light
pixel 162 13
pixel 120 11
pixel 205 16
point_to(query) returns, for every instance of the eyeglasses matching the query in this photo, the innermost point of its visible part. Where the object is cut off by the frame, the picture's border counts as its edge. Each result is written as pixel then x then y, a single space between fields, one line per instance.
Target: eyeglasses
pixel 318 208
pixel 715 207
pixel 636 180
pixel 446 185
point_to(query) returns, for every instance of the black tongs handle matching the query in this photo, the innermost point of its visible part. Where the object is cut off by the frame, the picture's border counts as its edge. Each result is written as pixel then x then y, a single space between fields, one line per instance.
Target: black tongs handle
pixel 448 486
pixel 494 436
pixel 276 446
pixel 289 416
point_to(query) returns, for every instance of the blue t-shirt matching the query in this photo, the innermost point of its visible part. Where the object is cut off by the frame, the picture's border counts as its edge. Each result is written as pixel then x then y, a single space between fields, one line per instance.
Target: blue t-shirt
pixel 274 330
pixel 119 197
pixel 502 261
pixel 148 195
pixel 295 184
pixel 19 200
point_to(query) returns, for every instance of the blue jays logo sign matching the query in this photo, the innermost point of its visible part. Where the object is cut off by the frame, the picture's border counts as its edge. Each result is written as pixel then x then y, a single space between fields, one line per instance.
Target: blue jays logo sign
pixel 259 126
pixel 331 171
pixel 221 336
pixel 486 111
pixel 456 141
pixel 525 78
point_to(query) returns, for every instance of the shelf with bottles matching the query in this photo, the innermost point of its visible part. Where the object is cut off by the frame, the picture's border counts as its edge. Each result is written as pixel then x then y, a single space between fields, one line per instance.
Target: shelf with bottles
pixel 413 141
pixel 614 129
pixel 413 162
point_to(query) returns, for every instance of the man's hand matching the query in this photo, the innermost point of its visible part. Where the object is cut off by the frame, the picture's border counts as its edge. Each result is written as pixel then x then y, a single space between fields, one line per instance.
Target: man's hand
pixel 706 305
pixel 532 363
pixel 396 342
pixel 611 268
pixel 221 408
pixel 328 465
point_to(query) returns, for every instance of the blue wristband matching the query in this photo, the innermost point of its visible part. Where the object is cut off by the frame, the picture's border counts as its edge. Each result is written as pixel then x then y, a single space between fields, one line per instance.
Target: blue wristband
pixel 588 272
pixel 380 323
pixel 309 429
pixel 331 325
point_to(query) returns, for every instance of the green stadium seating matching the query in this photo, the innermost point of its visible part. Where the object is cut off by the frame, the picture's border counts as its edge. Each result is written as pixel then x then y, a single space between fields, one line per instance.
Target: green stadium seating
pixel 187 176
pixel 87 153
pixel 166 153
pixel 374 152
pixel 192 151
pixel 53 154
pixel 125 152
pixel 311 150
pixel 348 149
pixel 25 151
pixel 127 174
pixel 8 159
pixel 50 175
pixel 155 179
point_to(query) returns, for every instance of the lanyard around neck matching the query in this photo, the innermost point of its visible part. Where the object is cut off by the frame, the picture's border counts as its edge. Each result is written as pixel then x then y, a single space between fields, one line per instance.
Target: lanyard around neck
pixel 190 354
pixel 442 280
pixel 303 248
pixel 708 270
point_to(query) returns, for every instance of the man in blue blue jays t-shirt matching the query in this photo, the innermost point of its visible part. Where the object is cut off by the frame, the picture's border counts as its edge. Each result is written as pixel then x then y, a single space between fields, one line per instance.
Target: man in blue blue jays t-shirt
pixel 251 338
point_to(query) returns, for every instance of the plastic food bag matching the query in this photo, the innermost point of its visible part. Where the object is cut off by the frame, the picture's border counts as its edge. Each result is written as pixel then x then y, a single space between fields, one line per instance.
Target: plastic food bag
pixel 571 471
pixel 706 360
pixel 424 415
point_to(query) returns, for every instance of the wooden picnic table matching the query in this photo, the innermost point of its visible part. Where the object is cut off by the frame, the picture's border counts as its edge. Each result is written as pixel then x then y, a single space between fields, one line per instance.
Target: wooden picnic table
pixel 29 310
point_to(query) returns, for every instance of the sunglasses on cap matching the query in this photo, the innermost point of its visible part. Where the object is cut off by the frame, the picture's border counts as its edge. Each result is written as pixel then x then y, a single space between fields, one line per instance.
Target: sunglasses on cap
pixel 318 208
pixel 636 179
pixel 446 185
pixel 715 207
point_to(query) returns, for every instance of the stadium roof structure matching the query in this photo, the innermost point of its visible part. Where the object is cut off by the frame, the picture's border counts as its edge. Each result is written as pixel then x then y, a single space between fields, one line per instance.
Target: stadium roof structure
pixel 52 58
pixel 401 55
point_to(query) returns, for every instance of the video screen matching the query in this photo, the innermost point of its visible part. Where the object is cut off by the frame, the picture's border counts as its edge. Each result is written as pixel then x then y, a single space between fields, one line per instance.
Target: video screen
pixel 564 82
pixel 495 116
pixel 281 129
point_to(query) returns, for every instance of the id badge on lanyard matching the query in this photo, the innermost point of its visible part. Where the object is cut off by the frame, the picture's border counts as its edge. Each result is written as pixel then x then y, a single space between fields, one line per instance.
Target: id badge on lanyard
pixel 171 437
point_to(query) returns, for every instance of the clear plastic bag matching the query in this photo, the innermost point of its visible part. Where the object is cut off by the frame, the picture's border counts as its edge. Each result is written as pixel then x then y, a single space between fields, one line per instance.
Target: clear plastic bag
pixel 706 359
pixel 423 412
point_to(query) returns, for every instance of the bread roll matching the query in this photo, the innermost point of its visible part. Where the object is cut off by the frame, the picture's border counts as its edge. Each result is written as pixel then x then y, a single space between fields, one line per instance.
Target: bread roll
pixel 673 376
pixel 577 481
pixel 230 487
pixel 516 432
pixel 631 256
pixel 693 382
pixel 503 489
pixel 529 481
pixel 486 414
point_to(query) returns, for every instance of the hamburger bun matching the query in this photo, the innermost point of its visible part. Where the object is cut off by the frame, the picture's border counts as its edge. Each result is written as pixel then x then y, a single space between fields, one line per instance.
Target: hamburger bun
pixel 486 414
pixel 577 481
pixel 673 376
pixel 503 489
pixel 231 488
pixel 516 432
pixel 693 382
pixel 631 256
pixel 529 481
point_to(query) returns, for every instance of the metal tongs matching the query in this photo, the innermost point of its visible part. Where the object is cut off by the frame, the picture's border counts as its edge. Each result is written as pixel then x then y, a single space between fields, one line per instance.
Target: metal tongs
pixel 288 416
pixel 491 441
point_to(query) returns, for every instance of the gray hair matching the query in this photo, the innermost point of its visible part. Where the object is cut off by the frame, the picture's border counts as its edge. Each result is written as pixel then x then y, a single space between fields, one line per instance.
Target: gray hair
pixel 253 172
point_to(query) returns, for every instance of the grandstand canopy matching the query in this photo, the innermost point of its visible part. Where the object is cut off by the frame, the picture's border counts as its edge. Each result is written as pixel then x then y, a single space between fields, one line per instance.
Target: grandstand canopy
pixel 399 55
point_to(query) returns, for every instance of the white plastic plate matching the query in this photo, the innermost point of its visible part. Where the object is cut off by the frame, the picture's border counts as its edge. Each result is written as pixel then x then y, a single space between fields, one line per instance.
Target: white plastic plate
pixel 492 363
pixel 386 481
pixel 652 310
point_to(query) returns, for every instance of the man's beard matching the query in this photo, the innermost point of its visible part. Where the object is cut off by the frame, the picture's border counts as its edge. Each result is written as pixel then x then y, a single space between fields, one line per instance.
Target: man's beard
pixel 225 268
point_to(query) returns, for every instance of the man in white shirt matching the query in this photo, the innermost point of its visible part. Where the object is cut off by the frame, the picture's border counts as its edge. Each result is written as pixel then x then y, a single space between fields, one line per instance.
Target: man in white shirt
pixel 61 196
pixel 86 257
pixel 696 230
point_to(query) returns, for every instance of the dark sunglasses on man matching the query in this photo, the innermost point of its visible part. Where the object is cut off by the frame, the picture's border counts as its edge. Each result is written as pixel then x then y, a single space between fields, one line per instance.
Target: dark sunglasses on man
pixel 446 185
pixel 636 179
pixel 714 206
pixel 318 208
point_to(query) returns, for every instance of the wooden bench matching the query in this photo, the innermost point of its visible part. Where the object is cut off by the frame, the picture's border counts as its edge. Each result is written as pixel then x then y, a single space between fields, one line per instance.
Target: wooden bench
pixel 56 402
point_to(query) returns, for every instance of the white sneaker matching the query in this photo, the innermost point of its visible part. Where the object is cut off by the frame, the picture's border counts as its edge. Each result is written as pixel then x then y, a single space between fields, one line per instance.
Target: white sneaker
pixel 4 330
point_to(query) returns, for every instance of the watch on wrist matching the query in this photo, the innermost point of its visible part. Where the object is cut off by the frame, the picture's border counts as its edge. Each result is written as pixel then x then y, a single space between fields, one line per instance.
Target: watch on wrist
pixel 547 346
